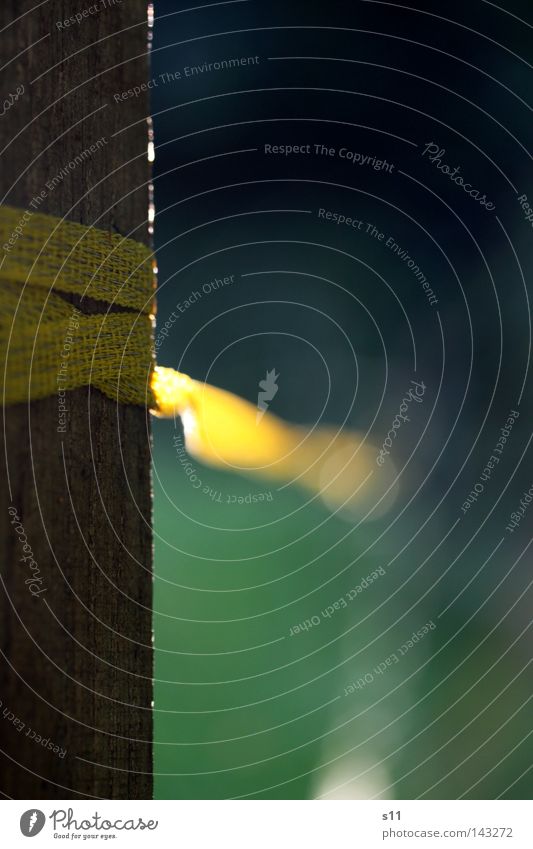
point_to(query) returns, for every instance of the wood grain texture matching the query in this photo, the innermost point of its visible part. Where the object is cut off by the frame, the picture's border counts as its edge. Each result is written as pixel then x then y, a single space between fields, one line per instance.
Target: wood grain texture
pixel 76 662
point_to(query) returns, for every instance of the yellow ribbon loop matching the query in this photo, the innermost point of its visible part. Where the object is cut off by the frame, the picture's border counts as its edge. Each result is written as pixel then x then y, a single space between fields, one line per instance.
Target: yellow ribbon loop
pixel 47 344
pixel 224 430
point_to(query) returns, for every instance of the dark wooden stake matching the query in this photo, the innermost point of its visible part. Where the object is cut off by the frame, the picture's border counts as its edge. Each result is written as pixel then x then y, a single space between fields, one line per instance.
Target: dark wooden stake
pixel 76 661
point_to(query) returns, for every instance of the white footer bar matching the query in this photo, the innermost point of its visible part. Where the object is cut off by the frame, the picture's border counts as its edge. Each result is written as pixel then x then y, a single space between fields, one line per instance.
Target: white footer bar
pixel 268 824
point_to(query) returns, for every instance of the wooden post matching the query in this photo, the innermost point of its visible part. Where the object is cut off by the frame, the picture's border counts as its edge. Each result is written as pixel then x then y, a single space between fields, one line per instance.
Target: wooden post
pixel 76 662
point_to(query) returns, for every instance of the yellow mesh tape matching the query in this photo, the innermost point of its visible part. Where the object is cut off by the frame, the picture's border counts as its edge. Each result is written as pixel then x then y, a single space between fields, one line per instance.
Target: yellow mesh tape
pixel 45 252
pixel 46 344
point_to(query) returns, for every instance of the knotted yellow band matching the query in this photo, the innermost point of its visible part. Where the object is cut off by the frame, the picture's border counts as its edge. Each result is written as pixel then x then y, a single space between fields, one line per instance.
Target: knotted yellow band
pixel 48 346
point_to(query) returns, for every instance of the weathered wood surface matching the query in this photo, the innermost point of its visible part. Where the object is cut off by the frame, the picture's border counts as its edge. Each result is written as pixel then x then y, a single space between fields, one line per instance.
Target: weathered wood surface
pixel 76 662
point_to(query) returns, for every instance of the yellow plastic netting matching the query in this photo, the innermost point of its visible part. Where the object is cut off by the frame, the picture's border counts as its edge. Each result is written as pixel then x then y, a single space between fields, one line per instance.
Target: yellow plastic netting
pixel 49 345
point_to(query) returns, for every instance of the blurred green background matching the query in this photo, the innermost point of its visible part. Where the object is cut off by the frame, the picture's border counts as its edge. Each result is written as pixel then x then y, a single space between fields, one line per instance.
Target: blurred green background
pixel 244 708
